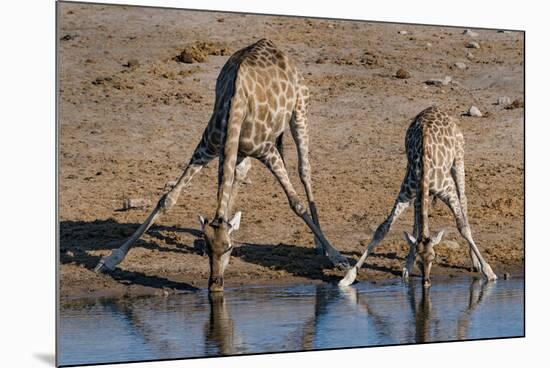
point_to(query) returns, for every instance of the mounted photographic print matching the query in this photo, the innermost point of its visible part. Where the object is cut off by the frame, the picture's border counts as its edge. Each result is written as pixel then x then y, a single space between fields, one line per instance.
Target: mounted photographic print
pixel 234 184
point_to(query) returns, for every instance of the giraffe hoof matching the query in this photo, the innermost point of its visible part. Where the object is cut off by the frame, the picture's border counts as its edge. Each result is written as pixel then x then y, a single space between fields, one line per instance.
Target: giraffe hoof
pixel 349 278
pixel 100 267
pixel 105 264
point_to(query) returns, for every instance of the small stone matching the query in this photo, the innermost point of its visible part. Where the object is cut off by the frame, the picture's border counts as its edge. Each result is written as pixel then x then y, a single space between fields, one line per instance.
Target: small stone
pixel 428 44
pixel 517 103
pixel 135 203
pixel 469 32
pixel 220 20
pixel 321 61
pixel 473 45
pixel 439 81
pixel 503 31
pixel 504 100
pixel 67 37
pixel 402 74
pixel 469 56
pixel 132 63
pixel 506 276
pixel 474 111
pixel 403 32
pixel 460 65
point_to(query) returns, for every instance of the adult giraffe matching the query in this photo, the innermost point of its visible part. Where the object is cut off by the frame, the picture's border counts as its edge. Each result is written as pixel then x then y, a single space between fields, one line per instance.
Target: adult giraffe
pixel 258 92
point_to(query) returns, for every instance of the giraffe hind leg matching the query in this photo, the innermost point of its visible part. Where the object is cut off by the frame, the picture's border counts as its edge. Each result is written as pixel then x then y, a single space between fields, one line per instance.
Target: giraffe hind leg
pixel 241 170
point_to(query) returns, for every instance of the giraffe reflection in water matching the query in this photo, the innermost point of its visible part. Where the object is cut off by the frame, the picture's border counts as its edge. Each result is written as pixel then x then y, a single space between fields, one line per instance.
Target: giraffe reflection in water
pixel 287 318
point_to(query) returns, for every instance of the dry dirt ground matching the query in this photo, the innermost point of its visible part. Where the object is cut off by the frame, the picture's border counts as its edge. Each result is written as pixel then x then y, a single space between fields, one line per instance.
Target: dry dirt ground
pixel 130 115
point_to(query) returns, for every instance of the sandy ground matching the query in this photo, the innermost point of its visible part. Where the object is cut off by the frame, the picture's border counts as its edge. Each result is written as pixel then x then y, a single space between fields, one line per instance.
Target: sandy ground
pixel 130 116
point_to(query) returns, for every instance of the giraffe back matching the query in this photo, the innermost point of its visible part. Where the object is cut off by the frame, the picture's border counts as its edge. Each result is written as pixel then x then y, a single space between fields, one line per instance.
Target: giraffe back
pixel 433 140
pixel 266 82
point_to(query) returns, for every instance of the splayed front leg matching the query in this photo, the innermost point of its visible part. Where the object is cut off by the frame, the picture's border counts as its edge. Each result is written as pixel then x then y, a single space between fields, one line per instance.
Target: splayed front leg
pixel 350 277
pixel 275 164
pixel 401 204
pixel 166 202
pixel 108 263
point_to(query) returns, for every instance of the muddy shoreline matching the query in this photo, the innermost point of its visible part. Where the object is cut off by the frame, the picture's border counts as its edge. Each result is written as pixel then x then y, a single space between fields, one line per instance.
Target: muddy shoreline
pixel 131 113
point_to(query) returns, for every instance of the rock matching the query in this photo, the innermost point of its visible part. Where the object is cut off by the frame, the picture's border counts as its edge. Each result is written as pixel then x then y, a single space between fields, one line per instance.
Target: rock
pixel 132 63
pixel 321 61
pixel 460 65
pixel 135 203
pixel 473 45
pixel 220 20
pixel 371 59
pixel 439 81
pixel 428 44
pixel 198 53
pixel 517 103
pixel 503 31
pixel 403 32
pixel 469 56
pixel 474 111
pixel 469 32
pixel 504 100
pixel 402 74
pixel 506 276
pixel 67 37
pixel 191 55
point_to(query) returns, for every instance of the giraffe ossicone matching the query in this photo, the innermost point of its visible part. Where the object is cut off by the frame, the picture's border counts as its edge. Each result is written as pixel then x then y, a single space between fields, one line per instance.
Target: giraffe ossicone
pixel 435 168
pixel 259 91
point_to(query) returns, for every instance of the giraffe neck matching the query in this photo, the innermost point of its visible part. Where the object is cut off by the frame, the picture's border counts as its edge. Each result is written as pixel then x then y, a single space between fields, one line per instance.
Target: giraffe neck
pixel 424 185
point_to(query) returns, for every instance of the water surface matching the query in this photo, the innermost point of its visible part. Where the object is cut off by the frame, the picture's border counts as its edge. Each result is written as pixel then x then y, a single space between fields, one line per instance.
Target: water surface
pixel 274 319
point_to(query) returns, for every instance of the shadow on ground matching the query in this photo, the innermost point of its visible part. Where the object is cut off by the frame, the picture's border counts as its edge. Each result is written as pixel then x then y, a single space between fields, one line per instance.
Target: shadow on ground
pixel 78 238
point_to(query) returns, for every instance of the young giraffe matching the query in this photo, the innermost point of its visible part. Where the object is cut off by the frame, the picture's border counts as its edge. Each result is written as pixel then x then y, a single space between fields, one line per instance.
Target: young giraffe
pixel 259 91
pixel 435 167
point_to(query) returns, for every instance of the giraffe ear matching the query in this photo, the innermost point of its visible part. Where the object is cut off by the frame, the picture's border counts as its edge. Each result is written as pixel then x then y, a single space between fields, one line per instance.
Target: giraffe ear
pixel 235 222
pixel 410 239
pixel 436 239
pixel 203 221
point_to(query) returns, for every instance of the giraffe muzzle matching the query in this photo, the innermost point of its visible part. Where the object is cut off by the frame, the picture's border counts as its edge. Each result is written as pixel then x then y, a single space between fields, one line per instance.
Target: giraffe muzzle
pixel 215 283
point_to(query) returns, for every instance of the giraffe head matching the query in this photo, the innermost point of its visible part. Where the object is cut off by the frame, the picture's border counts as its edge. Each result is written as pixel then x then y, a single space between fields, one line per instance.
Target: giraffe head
pixel 425 253
pixel 217 235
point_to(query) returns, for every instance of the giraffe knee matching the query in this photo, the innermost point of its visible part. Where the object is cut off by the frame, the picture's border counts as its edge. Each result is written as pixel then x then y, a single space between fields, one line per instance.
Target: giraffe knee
pixel 297 207
pixel 168 201
pixel 464 231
